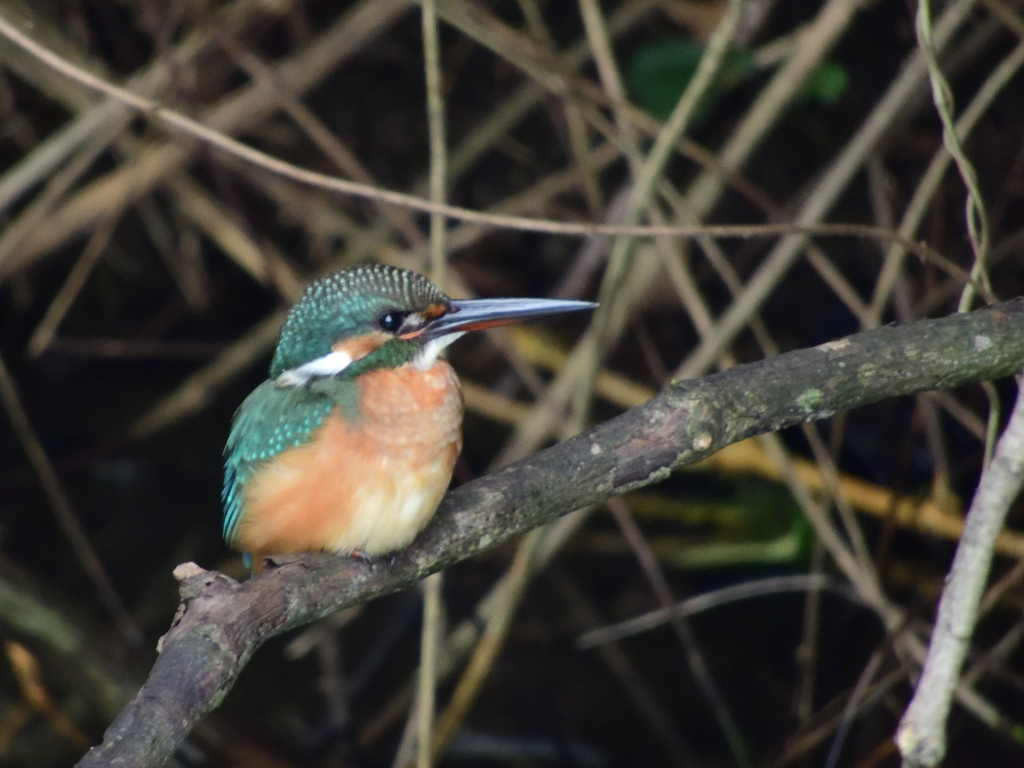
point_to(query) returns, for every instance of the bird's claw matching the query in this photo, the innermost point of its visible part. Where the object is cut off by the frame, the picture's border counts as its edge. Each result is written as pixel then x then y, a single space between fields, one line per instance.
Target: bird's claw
pixel 358 554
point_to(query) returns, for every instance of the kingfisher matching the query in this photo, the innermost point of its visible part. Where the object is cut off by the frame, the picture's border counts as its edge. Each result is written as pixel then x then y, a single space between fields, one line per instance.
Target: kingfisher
pixel 350 444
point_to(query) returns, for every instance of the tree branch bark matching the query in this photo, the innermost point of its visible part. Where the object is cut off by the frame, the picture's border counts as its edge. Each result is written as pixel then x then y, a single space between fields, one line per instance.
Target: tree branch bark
pixel 221 623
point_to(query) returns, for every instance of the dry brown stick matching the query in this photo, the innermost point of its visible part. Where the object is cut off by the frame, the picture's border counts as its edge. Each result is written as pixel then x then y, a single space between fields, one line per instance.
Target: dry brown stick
pixel 356 28
pixel 326 140
pixel 530 94
pixel 575 122
pixel 770 585
pixel 998 590
pixel 35 214
pixel 62 508
pixel 646 175
pixel 935 297
pixel 196 391
pixel 815 734
pixel 808 651
pixel 995 655
pixel 73 284
pixel 221 140
pixel 221 623
pixel 599 41
pixel 96 124
pixel 195 202
pixel 216 221
pixel 433 629
pixel 90 134
pixel 180 252
pixel 30 679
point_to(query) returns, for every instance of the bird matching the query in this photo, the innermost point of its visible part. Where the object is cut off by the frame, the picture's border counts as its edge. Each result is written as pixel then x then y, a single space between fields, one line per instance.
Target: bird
pixel 350 443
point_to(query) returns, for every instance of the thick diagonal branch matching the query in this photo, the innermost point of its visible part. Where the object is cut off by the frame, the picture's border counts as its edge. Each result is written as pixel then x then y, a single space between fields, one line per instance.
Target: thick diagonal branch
pixel 221 623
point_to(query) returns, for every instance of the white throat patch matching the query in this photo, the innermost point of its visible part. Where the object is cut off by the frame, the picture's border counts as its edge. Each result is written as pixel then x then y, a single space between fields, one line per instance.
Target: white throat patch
pixel 328 365
pixel 425 360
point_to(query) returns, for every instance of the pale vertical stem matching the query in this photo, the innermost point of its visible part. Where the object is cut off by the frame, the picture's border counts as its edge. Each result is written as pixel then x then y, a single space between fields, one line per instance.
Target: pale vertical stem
pixel 438 146
pixel 922 732
pixel 438 172
pixel 608 70
pixel 491 641
pixel 579 142
pixel 428 668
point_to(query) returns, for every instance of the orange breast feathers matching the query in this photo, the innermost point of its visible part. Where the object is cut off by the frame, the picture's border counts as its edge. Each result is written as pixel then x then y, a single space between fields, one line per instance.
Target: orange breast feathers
pixel 368 486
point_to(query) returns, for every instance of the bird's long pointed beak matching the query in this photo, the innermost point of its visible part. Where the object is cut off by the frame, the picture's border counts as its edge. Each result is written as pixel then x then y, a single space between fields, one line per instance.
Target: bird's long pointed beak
pixel 478 314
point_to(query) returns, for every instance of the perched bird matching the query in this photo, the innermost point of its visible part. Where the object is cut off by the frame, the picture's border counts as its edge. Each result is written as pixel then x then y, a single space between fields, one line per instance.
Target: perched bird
pixel 350 444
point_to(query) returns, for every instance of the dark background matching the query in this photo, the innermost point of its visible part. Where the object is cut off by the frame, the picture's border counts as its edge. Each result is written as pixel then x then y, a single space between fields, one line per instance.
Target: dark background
pixel 147 503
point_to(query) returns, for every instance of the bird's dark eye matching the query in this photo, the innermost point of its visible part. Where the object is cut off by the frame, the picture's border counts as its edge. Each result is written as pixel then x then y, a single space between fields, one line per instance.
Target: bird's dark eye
pixel 390 322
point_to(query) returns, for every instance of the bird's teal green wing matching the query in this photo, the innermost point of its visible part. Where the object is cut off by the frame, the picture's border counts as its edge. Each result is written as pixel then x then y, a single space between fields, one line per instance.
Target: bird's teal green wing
pixel 271 420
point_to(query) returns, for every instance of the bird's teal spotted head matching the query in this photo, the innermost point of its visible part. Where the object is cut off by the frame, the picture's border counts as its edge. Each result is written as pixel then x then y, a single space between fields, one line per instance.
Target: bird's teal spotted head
pixel 353 313
pixel 374 316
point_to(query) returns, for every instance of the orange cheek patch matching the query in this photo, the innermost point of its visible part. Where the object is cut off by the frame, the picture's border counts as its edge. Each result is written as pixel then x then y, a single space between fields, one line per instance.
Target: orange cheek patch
pixel 434 311
pixel 361 346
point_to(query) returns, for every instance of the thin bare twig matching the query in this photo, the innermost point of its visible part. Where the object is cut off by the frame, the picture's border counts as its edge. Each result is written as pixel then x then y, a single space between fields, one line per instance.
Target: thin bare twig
pixel 691 606
pixel 926 188
pixel 977 217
